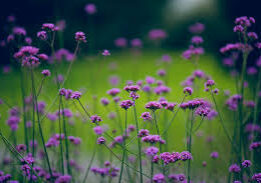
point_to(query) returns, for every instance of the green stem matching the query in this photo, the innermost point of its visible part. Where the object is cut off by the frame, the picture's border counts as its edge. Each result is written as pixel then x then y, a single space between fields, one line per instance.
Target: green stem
pixel 61 143
pixel 139 143
pixel 124 150
pixel 90 164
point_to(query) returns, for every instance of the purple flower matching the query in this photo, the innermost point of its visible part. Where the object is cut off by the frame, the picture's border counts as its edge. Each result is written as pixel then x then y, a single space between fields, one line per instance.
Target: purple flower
pixel 105 101
pixel 42 35
pixel 114 91
pixel 252 35
pixel 153 105
pixel 63 179
pixel 136 43
pixel 132 88
pixel 257 177
pixel 46 73
pixel 157 34
pixel 159 178
pixel 120 42
pixel 214 155
pixel 170 106
pixel 234 168
pixel 246 163
pixel 126 104
pixel 254 145
pixel 143 133
pixel 210 83
pixel 98 130
pixel 95 119
pixel 146 116
pixel 76 95
pixel 48 27
pixel 188 90
pixel 197 40
pixel 90 8
pixel 19 31
pixel 101 140
pixel 119 139
pixel 197 28
pixel 80 37
pixel 151 151
pixel 150 80
pixel 106 53
pixel 185 155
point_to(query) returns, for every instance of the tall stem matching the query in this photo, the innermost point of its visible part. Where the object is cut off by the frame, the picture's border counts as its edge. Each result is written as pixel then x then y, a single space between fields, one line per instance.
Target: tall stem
pixel 139 143
pixel 124 150
pixel 61 142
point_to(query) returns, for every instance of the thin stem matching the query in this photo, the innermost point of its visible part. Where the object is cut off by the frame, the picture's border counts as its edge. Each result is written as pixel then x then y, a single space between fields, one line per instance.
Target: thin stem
pixel 66 140
pixel 61 143
pixel 139 143
pixel 124 150
pixel 39 124
pixel 172 119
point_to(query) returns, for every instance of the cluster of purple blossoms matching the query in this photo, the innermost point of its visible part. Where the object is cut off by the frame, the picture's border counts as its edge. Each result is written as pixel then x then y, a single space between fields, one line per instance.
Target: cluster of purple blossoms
pixel 232 102
pixel 126 104
pixel 66 112
pixel 257 177
pixel 75 140
pixel 121 42
pixel 80 37
pixel 161 72
pixel 13 119
pixel 151 151
pixel 109 170
pixel 132 88
pixel 192 51
pixel 101 140
pixel 90 8
pixel 95 119
pixel 197 74
pixel 114 91
pixel 69 94
pixel 177 177
pixel 254 145
pixel 21 148
pixel 19 31
pixel 234 168
pixel 63 179
pixel 105 101
pixel 197 40
pixel 136 43
pixel 46 73
pixel 242 23
pixel 153 106
pixel 42 35
pixel 106 53
pixel 152 139
pixel 5 177
pixel 146 116
pixel 236 47
pixel 98 130
pixel 134 95
pixel 143 133
pixel 197 28
pixel 159 178
pixel 252 128
pixel 246 163
pixel 188 90
pixel 49 27
pixel 214 155
pixel 63 54
pixel 157 34
pixel 161 89
pixel 193 104
pixel 167 157
pixel 54 141
pixel 249 103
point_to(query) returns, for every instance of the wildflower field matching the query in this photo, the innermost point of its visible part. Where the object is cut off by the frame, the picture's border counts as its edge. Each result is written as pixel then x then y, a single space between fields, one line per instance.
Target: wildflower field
pixel 130 114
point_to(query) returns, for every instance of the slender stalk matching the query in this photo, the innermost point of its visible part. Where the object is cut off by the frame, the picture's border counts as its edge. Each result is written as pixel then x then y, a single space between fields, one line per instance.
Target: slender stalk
pixel 39 124
pixel 151 170
pixel 139 143
pixel 24 116
pixel 189 142
pixel 172 119
pixel 124 150
pixel 61 142
pixel 66 141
